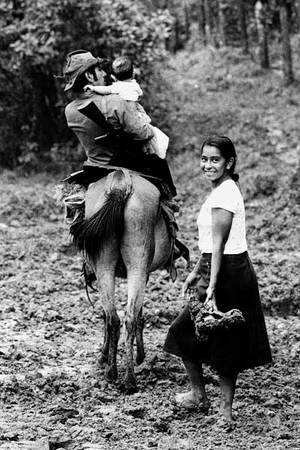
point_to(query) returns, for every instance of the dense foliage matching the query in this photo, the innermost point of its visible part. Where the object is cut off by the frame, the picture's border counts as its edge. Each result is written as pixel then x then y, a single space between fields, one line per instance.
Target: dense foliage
pixel 36 37
pixel 37 34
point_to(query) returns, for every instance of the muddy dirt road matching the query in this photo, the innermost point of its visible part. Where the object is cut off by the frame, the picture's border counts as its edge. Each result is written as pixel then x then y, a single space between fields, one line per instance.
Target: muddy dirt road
pixel 52 392
pixel 51 387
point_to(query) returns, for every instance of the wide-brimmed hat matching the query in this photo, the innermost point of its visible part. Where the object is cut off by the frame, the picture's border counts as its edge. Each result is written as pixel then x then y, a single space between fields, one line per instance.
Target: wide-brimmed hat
pixel 77 63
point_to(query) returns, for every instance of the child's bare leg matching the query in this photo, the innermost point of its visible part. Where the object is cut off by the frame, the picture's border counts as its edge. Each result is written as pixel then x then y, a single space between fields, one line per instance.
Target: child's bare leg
pixel 197 394
pixel 227 384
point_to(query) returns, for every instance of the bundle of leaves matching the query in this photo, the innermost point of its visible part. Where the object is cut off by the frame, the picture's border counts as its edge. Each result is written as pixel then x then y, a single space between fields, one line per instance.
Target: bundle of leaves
pixel 208 321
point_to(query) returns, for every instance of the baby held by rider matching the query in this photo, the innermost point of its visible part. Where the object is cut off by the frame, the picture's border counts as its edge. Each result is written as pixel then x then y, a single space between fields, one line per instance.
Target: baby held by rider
pixel 127 87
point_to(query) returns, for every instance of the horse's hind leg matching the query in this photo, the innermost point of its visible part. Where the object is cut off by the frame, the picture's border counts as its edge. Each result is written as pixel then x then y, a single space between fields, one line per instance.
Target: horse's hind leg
pixel 105 269
pixel 137 255
pixel 103 360
pixel 136 284
pixel 140 351
pixel 112 324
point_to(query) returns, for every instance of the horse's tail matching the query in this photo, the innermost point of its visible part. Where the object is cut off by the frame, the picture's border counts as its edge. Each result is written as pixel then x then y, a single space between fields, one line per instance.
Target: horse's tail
pixel 90 234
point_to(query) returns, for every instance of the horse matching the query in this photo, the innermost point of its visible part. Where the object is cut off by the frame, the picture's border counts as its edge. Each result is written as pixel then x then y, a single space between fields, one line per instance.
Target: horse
pixel 123 234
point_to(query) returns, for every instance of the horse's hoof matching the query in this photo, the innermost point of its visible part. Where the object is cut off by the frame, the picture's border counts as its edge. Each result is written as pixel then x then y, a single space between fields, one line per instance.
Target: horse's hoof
pixel 226 425
pixel 130 385
pixel 111 373
pixel 130 388
pixel 103 360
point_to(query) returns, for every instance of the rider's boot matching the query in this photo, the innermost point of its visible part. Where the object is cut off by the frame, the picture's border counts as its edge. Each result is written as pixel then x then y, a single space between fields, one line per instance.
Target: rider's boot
pixel 74 205
pixel 169 207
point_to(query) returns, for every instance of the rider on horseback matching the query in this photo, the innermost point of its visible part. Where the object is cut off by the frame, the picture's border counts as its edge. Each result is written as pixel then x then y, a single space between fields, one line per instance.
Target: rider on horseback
pixel 111 131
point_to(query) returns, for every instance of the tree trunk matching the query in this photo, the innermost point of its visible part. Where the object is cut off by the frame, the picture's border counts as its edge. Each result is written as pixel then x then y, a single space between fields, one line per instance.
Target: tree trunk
pixel 177 37
pixel 209 25
pixel 222 6
pixel 180 28
pixel 42 100
pixel 262 33
pixel 286 44
pixel 171 41
pixel 17 10
pixel 243 26
pixel 201 21
pixel 297 10
pixel 187 21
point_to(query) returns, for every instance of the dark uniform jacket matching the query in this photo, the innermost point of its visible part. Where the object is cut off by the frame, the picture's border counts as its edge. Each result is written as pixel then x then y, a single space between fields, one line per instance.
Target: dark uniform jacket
pixel 121 115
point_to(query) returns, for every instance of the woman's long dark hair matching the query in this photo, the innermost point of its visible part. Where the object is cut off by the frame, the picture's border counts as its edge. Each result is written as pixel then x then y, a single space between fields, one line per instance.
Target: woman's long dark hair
pixel 226 148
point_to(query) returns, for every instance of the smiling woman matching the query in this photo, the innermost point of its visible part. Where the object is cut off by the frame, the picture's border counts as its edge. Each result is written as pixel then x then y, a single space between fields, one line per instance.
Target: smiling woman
pixel 218 159
pixel 213 164
pixel 223 279
pixel 225 206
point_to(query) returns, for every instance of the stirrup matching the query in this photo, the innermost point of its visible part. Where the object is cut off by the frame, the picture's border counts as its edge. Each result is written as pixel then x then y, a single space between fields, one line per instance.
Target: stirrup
pixel 172 204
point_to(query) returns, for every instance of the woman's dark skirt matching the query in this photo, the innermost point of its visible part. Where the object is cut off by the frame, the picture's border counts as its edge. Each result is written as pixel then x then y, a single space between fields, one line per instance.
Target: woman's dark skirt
pixel 227 351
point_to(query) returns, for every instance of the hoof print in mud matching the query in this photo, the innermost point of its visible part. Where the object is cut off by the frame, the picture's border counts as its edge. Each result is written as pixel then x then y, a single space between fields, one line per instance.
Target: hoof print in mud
pixel 128 387
pixel 136 412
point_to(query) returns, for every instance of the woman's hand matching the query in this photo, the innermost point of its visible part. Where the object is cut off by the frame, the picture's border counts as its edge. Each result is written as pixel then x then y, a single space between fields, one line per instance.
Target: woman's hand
pixel 189 283
pixel 210 301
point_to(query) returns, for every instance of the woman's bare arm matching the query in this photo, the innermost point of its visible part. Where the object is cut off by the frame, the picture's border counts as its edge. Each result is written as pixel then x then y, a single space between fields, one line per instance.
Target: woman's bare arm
pixel 191 278
pixel 221 225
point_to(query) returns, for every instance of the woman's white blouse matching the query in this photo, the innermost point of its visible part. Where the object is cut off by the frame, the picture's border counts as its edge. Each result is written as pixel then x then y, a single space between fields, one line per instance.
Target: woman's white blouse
pixel 226 196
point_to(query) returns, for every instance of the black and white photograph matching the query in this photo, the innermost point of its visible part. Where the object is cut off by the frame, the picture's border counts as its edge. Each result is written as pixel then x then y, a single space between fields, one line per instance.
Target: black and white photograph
pixel 149 224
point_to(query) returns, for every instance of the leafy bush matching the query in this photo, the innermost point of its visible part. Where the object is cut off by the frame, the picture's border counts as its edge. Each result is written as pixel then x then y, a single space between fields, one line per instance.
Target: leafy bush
pixel 36 37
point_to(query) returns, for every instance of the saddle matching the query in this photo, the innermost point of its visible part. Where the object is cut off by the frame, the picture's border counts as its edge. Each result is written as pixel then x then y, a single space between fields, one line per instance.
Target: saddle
pixel 91 174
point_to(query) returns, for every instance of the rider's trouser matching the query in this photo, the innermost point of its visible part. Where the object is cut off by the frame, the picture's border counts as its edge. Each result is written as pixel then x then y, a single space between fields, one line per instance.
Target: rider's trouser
pixel 151 165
